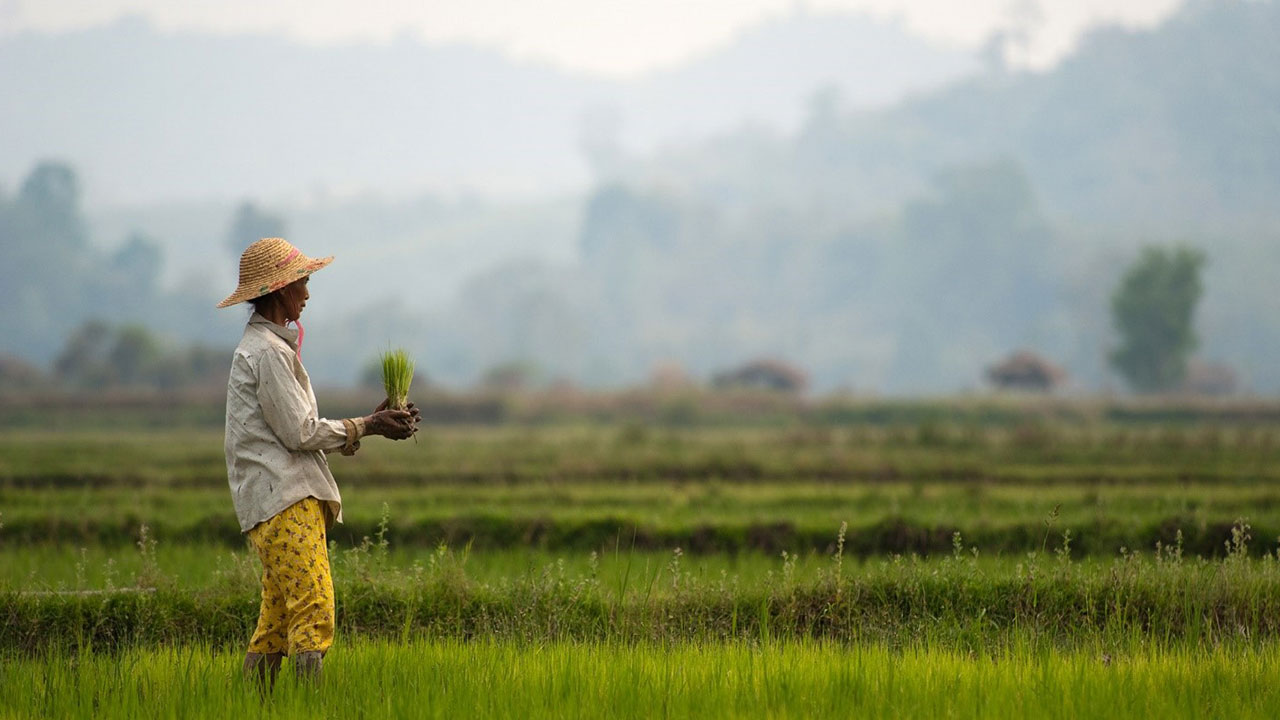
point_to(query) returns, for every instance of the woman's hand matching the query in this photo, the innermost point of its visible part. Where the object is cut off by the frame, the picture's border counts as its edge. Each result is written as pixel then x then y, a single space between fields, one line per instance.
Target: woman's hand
pixel 394 424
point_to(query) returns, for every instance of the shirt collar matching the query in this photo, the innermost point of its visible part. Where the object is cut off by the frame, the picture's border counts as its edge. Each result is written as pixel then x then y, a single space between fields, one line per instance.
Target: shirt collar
pixel 289 335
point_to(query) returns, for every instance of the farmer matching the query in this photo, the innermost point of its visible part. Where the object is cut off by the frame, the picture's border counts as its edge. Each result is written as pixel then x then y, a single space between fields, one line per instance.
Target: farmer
pixel 284 495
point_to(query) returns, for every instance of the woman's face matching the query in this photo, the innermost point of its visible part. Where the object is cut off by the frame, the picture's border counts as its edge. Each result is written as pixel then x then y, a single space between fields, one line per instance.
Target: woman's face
pixel 294 298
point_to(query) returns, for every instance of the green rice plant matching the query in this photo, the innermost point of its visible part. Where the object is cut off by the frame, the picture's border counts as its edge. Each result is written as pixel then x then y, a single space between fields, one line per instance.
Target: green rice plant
pixel 973 603
pixel 483 677
pixel 397 375
pixel 710 516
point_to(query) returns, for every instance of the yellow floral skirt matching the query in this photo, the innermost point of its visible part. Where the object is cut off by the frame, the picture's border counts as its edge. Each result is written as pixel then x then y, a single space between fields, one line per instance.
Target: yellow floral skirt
pixel 297 591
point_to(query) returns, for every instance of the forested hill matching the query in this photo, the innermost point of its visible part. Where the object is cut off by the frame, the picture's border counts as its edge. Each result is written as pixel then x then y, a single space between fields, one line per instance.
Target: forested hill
pixel 905 250
pixel 1154 129
pixel 900 250
pixel 1151 130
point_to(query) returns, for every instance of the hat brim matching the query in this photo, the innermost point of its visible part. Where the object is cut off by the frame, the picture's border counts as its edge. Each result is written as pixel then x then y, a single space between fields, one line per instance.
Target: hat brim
pixel 304 267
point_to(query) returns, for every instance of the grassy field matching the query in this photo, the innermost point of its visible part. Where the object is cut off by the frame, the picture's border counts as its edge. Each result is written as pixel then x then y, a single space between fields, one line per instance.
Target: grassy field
pixel 1039 452
pixel 961 601
pixel 604 680
pixel 702 517
pixel 899 489
pixel 1051 567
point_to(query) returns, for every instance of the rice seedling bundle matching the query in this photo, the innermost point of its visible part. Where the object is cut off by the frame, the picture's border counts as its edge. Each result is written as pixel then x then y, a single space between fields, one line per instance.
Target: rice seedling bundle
pixel 397 375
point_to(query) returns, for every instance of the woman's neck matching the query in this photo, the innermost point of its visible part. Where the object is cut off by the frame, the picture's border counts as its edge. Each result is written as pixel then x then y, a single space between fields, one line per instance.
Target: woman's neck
pixel 275 313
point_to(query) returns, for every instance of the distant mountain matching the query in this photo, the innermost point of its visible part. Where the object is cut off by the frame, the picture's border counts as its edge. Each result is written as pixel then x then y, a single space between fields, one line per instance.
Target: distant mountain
pixel 904 249
pixel 1165 130
pixel 1173 130
pixel 771 75
pixel 152 116
pixel 895 248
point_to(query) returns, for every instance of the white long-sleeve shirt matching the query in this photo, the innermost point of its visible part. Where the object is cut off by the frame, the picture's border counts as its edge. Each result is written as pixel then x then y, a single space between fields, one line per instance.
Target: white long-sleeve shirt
pixel 275 440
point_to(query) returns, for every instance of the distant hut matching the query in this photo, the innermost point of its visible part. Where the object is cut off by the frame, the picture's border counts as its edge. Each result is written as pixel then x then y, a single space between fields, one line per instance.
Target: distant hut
pixel 1209 379
pixel 669 376
pixel 1027 372
pixel 764 374
pixel 18 374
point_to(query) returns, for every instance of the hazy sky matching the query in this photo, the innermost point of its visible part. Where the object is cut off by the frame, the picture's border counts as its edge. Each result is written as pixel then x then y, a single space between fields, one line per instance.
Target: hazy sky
pixel 608 37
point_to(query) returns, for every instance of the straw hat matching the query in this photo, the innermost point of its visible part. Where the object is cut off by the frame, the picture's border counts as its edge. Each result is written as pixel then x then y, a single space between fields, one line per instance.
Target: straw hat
pixel 268 265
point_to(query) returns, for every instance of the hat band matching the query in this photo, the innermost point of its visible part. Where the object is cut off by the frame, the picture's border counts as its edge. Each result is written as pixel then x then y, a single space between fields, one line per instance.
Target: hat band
pixel 288 258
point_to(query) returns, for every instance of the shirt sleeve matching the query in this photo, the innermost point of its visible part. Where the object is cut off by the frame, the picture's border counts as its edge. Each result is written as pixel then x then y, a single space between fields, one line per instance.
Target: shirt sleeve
pixel 288 411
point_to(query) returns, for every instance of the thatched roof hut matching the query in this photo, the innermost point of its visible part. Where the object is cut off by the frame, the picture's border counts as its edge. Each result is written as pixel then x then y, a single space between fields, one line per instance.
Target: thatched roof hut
pixel 763 374
pixel 1026 371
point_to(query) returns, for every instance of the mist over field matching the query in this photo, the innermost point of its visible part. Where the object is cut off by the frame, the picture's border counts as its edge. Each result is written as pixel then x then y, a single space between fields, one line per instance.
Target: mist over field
pixel 883 213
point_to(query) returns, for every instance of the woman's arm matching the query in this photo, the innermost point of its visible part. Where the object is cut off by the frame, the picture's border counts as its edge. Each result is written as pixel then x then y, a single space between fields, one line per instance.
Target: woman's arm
pixel 287 409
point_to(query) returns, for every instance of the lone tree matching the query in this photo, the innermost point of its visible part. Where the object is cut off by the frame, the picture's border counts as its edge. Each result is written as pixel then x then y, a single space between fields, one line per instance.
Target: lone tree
pixel 1153 309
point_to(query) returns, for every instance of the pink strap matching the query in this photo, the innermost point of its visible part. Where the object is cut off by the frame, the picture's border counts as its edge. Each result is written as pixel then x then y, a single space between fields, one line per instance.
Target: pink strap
pixel 287 258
